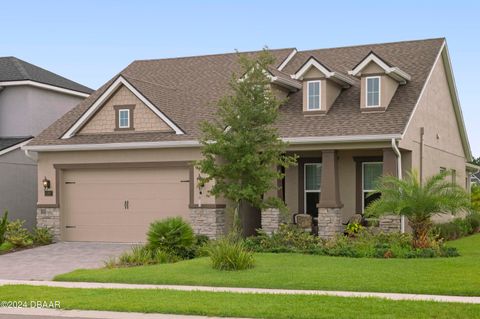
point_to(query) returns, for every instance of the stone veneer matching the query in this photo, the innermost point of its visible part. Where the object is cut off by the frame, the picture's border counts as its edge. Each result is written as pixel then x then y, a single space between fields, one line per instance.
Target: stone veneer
pixel 49 218
pixel 270 220
pixel 329 222
pixel 208 221
pixel 390 223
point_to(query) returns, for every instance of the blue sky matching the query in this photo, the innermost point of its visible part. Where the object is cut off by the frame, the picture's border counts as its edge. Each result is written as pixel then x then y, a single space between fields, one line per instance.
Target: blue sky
pixel 90 41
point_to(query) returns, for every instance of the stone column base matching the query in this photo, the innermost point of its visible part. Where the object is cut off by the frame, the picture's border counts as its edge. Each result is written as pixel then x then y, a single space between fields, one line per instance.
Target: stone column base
pixel 270 220
pixel 329 222
pixel 208 221
pixel 390 223
pixel 49 218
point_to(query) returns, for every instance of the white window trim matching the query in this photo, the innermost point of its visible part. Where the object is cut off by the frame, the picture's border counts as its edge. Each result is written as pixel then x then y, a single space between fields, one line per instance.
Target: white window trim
pixel 379 90
pixel 305 191
pixel 319 95
pixel 120 118
pixel 363 183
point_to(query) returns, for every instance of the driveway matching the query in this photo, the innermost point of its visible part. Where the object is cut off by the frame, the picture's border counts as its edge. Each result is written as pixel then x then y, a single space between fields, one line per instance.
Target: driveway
pixel 44 263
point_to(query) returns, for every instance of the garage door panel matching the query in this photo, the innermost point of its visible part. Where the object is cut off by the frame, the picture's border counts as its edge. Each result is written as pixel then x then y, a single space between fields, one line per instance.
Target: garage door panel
pixel 94 202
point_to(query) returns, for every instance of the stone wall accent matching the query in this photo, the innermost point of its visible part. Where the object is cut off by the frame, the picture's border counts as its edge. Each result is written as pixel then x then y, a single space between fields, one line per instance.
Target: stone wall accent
pixel 329 222
pixel 390 223
pixel 271 220
pixel 208 221
pixel 144 120
pixel 49 218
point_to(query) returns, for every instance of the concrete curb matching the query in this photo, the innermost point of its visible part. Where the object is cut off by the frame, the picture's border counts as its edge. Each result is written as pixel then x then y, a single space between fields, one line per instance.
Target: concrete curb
pixel 390 296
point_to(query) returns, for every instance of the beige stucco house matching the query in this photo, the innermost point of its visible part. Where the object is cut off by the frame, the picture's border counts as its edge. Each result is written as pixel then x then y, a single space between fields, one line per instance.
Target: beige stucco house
pixel 123 157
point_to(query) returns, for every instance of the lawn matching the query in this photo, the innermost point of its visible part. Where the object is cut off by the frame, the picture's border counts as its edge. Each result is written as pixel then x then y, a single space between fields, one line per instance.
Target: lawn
pixel 446 276
pixel 238 305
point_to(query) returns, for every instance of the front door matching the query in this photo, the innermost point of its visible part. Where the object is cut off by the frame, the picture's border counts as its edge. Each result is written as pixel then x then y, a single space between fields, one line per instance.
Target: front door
pixel 312 176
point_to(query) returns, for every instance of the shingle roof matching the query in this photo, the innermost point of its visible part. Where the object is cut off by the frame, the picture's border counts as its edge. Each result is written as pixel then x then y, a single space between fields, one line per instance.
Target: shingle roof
pixel 6 142
pixel 187 89
pixel 14 69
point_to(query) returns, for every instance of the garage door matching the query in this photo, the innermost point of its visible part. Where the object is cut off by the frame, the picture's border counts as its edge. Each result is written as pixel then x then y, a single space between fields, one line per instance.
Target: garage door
pixel 117 205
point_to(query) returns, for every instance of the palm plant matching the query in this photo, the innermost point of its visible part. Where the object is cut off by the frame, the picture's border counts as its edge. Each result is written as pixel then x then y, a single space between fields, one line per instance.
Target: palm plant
pixel 419 201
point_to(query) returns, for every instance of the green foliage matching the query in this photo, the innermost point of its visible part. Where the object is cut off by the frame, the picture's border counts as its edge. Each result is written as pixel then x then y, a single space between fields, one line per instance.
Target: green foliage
pixel 17 234
pixel 172 235
pixel 42 236
pixel 353 228
pixel 228 254
pixel 476 161
pixel 365 243
pixel 475 197
pixel 6 246
pixel 3 226
pixel 244 137
pixel 141 256
pixel 459 227
pixel 419 201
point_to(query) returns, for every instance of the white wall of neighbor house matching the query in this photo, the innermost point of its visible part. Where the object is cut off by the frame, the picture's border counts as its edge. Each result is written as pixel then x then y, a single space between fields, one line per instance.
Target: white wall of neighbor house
pixel 26 110
pixel 47 160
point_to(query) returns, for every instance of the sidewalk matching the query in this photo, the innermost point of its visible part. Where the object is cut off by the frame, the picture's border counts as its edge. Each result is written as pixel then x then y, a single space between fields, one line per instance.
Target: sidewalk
pixel 34 313
pixel 390 296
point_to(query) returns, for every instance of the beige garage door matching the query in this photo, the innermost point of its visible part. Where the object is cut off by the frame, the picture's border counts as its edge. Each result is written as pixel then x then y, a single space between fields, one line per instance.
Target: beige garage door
pixel 117 205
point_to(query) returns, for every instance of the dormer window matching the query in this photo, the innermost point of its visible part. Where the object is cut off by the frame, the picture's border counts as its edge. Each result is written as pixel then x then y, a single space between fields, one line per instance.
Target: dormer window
pixel 124 117
pixel 313 95
pixel 373 91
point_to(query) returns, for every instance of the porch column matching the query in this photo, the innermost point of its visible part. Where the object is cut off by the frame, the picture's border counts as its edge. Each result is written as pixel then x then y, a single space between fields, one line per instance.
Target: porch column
pixel 329 206
pixel 390 223
pixel 389 162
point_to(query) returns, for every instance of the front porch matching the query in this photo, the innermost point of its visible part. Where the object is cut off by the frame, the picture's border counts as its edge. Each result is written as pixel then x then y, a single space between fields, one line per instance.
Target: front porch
pixel 331 186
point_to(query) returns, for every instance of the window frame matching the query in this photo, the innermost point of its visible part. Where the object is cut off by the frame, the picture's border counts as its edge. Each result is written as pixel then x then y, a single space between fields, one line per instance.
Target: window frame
pixel 305 191
pixel 379 90
pixel 363 182
pixel 129 109
pixel 120 126
pixel 319 95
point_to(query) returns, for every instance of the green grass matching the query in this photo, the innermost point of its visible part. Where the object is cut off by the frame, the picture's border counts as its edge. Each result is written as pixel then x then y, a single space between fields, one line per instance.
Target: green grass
pixel 446 276
pixel 238 305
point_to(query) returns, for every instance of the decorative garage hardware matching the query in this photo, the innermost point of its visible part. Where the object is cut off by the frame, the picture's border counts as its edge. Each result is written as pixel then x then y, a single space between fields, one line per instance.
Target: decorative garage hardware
pixel 68 183
pixel 46 187
pixel 68 226
pixel 126 204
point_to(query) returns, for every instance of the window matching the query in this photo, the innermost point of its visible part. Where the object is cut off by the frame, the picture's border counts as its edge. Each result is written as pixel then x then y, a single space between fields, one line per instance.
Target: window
pixel 373 91
pixel 313 95
pixel 454 176
pixel 312 177
pixel 124 118
pixel 371 171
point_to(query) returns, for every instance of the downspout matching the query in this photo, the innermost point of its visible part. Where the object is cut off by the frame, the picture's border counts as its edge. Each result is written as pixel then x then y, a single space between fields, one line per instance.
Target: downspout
pixel 30 156
pixel 399 174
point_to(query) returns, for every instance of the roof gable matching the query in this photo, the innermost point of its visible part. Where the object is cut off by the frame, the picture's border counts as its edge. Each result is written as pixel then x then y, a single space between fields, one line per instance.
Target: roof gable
pixel 399 75
pixel 339 78
pixel 105 96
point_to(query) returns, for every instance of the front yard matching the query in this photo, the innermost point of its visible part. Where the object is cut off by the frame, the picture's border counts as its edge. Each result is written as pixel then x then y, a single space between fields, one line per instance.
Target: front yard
pixel 447 276
pixel 238 305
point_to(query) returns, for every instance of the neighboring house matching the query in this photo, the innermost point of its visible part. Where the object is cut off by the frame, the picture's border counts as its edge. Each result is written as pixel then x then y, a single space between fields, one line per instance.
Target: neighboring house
pixel 123 157
pixel 475 178
pixel 31 99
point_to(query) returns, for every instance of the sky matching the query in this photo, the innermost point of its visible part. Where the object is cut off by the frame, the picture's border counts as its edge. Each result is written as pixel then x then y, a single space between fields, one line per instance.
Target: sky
pixel 90 41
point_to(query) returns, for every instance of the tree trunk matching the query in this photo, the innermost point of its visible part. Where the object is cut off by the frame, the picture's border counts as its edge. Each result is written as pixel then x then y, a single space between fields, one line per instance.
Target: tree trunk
pixel 421 231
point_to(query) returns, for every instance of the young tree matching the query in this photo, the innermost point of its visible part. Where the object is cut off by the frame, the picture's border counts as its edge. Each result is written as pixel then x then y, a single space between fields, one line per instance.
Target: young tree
pixel 476 161
pixel 241 147
pixel 419 202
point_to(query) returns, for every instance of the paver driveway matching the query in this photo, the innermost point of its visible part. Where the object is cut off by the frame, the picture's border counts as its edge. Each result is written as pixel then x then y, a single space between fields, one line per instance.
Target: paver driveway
pixel 43 263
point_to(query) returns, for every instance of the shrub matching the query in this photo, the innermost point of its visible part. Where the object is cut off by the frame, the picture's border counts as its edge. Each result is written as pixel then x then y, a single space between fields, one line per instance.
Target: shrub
pixel 17 234
pixel 172 235
pixel 228 254
pixel 141 256
pixel 42 236
pixel 459 227
pixel 6 246
pixel 3 227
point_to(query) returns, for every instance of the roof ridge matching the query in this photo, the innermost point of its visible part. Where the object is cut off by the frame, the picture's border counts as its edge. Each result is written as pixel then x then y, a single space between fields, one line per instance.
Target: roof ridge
pixel 207 55
pixel 20 67
pixel 372 44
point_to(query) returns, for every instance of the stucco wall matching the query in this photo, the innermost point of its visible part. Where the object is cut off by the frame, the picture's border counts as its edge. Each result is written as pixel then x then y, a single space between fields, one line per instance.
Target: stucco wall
pixel 144 120
pixel 26 110
pixel 18 175
pixel 442 142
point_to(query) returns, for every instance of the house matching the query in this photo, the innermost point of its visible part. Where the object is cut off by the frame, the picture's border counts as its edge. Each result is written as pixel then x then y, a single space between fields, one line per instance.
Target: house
pixel 123 157
pixel 475 178
pixel 31 99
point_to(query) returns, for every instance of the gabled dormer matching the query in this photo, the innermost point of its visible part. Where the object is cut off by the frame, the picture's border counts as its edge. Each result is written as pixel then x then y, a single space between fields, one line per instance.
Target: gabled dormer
pixel 379 81
pixel 321 86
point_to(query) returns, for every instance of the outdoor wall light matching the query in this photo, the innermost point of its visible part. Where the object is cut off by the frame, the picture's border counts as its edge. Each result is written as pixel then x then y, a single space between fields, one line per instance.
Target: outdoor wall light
pixel 46 187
